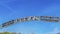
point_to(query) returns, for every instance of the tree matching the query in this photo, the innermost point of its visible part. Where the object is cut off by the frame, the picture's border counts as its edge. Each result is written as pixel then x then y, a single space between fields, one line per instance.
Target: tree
pixel 5 33
pixel 0 32
pixel 32 33
pixel 19 33
pixel 13 33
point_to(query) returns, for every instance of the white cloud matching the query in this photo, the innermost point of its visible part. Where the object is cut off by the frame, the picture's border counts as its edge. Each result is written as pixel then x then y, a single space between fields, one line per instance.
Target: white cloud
pixel 56 30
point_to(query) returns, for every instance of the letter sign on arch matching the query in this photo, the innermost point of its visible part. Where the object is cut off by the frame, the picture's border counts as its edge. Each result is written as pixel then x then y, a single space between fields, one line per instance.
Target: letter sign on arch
pixel 31 18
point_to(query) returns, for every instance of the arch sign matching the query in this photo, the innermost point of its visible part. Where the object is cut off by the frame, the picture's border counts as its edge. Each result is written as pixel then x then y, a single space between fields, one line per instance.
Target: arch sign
pixel 31 18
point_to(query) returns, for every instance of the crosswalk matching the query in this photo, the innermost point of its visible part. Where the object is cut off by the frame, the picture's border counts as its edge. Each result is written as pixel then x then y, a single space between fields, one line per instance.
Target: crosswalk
pixel 31 18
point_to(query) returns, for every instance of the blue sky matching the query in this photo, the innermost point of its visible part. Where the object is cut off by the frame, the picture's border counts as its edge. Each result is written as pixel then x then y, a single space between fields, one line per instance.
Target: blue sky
pixel 13 9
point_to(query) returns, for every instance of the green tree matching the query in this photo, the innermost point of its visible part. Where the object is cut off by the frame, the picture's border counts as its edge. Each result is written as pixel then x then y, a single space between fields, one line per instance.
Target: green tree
pixel 13 33
pixel 32 33
pixel 19 33
pixel 5 33
pixel 0 32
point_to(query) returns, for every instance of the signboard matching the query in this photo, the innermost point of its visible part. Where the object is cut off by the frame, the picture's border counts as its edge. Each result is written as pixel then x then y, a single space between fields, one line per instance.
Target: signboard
pixel 31 18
